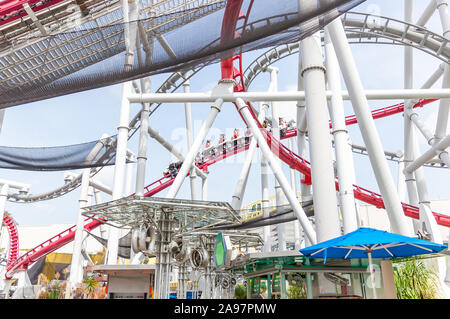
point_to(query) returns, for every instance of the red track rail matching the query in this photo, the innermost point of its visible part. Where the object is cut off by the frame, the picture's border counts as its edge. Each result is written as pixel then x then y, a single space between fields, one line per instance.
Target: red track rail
pixel 13 251
pixel 11 10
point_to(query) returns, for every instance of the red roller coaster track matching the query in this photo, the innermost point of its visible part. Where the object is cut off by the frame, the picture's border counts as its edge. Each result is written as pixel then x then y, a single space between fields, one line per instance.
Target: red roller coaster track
pixel 232 15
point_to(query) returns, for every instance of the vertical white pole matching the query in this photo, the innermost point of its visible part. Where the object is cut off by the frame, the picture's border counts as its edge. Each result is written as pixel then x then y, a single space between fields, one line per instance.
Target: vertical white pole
pixel 444 104
pixel 372 275
pixel 295 224
pixel 399 224
pixel 142 148
pixel 344 158
pixel 144 116
pixel 119 169
pixel 189 135
pixel 265 202
pixel 76 266
pixel 401 180
pixel 320 149
pixel 205 188
pixel 301 129
pixel 129 13
pixel 279 198
pixel 129 172
pixel 409 132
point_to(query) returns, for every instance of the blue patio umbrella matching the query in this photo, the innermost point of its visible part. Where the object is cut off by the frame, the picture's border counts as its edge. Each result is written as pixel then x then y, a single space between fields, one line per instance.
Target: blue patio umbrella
pixel 371 243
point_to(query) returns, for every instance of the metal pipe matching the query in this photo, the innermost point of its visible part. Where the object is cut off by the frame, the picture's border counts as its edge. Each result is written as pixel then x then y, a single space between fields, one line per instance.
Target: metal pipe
pixel 279 198
pixel 427 13
pixel 344 158
pixel 301 125
pixel 298 210
pixel 189 137
pixel 168 146
pixel 129 173
pixel 320 148
pixel 119 169
pixel 76 275
pixel 409 139
pixel 368 129
pixel 208 97
pixel 436 148
pixel 265 202
pixel 293 180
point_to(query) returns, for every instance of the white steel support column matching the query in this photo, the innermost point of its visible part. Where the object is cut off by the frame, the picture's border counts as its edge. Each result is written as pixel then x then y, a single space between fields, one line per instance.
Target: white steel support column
pixel 205 188
pixel 119 169
pixel 142 148
pixel 444 104
pixel 293 180
pixel 129 170
pixel 320 148
pixel 130 13
pixel 401 180
pixel 279 198
pixel 278 172
pixel 145 112
pixel 427 13
pixel 189 137
pixel 190 156
pixel 265 202
pixel 408 128
pixel 236 202
pixel 412 148
pixel 399 223
pixel 344 157
pixel 76 266
pixel 301 126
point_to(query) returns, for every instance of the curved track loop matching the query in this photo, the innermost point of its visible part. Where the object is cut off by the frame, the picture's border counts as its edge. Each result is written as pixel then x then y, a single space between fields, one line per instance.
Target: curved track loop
pixel 13 249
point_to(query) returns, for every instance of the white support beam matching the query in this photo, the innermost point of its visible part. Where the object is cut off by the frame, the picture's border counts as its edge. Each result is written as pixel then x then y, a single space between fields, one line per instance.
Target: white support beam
pixel 285 96
pixel 272 160
pixel 222 87
pixel 343 151
pixel 35 20
pixel 399 223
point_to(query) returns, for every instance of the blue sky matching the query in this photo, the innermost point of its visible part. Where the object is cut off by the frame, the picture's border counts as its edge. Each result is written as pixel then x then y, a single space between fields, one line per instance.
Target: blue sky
pixel 87 115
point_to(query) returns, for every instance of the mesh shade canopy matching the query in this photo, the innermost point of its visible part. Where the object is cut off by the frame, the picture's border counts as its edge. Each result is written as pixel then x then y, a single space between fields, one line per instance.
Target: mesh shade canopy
pixel 58 157
pixel 92 55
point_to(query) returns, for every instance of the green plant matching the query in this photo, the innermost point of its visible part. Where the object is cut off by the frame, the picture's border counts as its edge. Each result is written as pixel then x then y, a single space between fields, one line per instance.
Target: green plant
pixel 90 284
pixel 413 280
pixel 240 292
pixel 297 292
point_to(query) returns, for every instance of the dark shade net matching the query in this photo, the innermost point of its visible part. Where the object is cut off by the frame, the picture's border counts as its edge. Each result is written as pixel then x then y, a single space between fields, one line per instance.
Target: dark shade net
pixel 59 157
pixel 93 54
pixel 124 244
pixel 279 216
